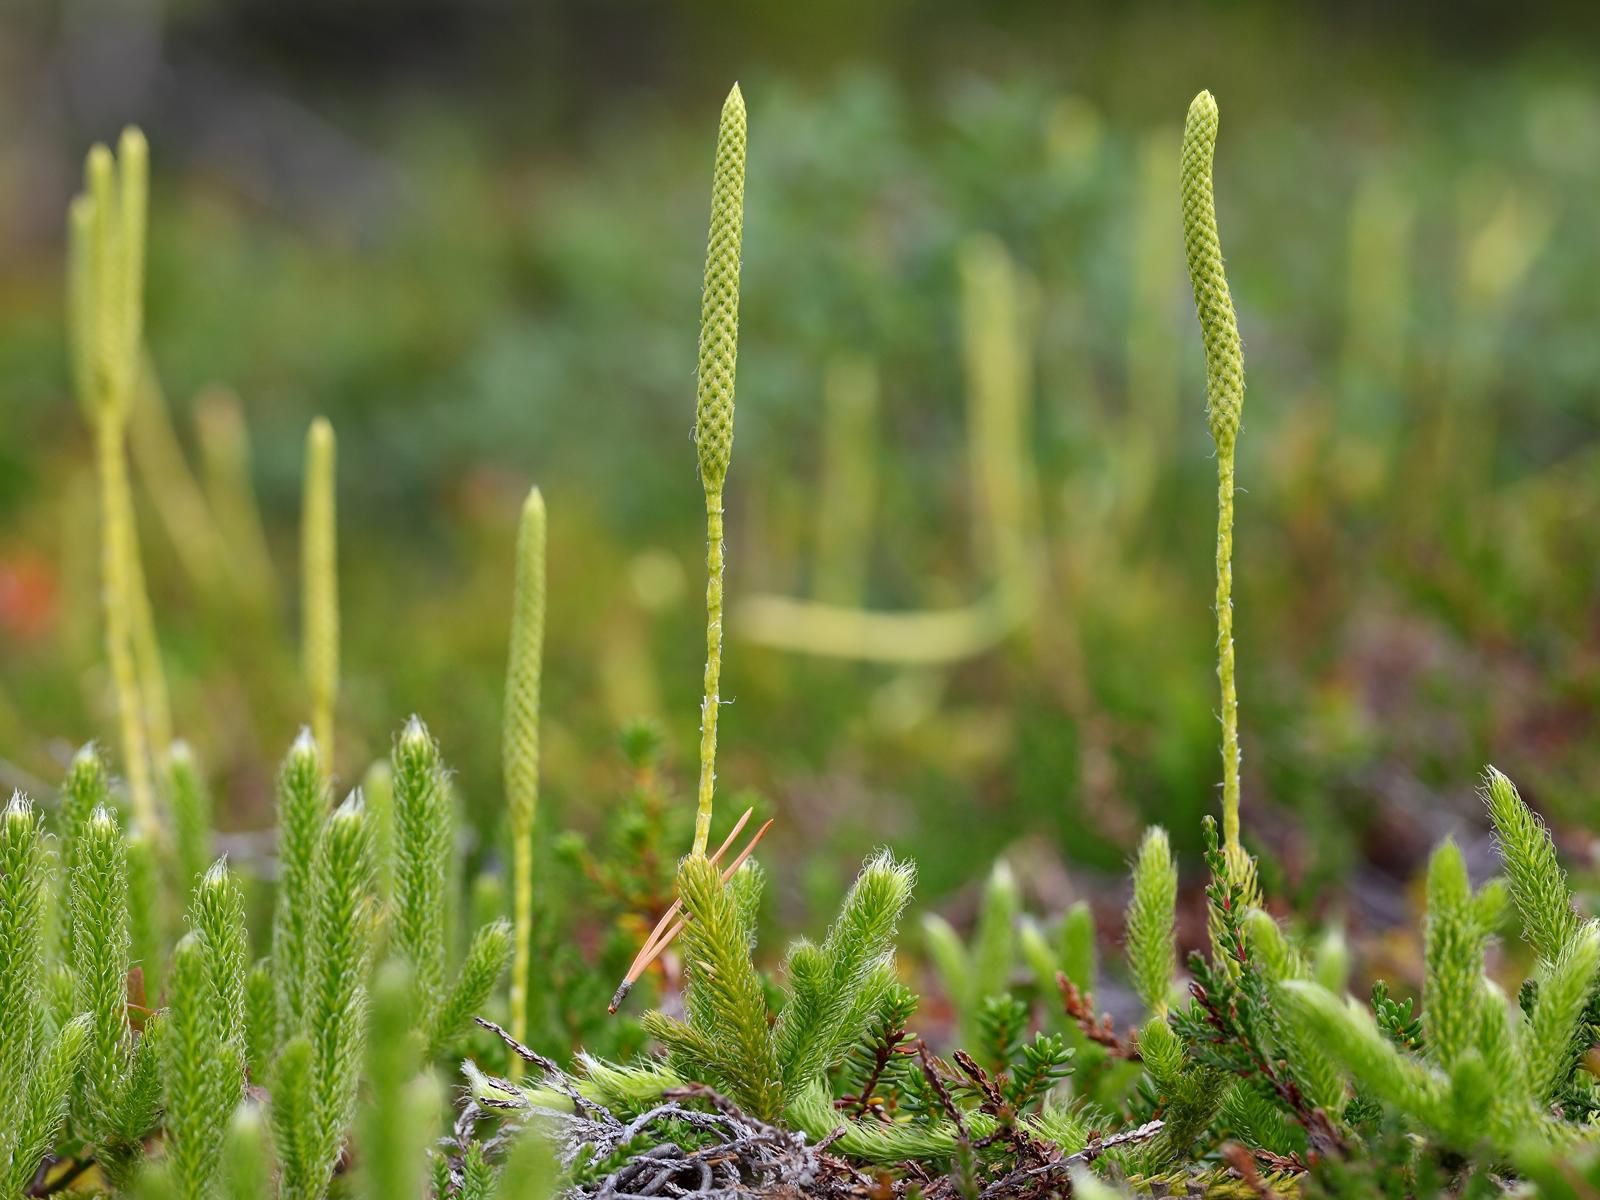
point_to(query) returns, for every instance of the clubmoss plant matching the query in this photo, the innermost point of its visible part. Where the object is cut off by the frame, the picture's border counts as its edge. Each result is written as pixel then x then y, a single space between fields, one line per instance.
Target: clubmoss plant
pixel 119 1090
pixel 302 803
pixel 225 455
pixel 201 1070
pixel 106 309
pixel 713 424
pixel 423 848
pixel 849 486
pixel 1219 331
pixel 319 584
pixel 342 934
pixel 174 491
pixel 1152 958
pixel 974 974
pixel 402 1110
pixel 520 745
pixel 189 803
pixel 37 1065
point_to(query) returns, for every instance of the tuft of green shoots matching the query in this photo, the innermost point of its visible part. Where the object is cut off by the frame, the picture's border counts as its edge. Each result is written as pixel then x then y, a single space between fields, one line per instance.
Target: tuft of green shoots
pixel 342 937
pixel 1538 884
pixel 246 1172
pixel 423 845
pixel 200 1070
pixel 402 1107
pixel 520 745
pixel 302 803
pixel 36 1069
pixel 1454 943
pixel 480 969
pixel 728 1032
pixel 1152 952
pixel 100 962
pixel 294 1121
pixel 260 1019
pixel 22 901
pixel 713 425
pixel 120 1086
pixel 994 939
pixel 216 915
pixel 319 583
pixel 830 1006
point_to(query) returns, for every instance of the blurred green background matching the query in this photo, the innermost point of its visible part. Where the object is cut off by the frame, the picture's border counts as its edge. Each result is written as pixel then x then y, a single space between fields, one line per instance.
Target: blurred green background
pixel 471 234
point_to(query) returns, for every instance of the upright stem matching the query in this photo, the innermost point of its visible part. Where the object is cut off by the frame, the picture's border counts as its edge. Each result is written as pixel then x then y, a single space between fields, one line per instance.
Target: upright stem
pixel 1230 695
pixel 712 700
pixel 713 415
pixel 1219 331
pixel 114 564
pixel 319 581
pixel 520 747
pixel 155 699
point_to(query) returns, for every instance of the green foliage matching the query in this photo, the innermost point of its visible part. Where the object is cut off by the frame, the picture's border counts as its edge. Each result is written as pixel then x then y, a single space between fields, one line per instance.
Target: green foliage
pixel 201 1071
pixel 1538 884
pixel 1266 1059
pixel 1152 956
pixel 834 991
pixel 37 1065
pixel 423 837
pixel 246 1171
pixel 423 849
pixel 302 794
pixel 1455 942
pixel 341 948
pixel 402 1107
pixel 728 1036
pixel 190 805
pixel 972 975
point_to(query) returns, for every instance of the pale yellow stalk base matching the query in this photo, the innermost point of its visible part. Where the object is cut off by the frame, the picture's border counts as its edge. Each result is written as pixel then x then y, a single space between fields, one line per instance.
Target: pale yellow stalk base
pixel 712 700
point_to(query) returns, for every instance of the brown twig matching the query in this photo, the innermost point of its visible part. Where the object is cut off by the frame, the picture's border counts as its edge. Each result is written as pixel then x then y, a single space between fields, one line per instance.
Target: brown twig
pixel 1244 1166
pixel 1099 1029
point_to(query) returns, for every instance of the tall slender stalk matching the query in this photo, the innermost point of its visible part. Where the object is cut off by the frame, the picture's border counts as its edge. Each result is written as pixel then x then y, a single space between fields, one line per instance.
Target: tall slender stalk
pixel 106 287
pixel 319 582
pixel 225 457
pixel 849 479
pixel 713 426
pixel 1219 330
pixel 521 744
